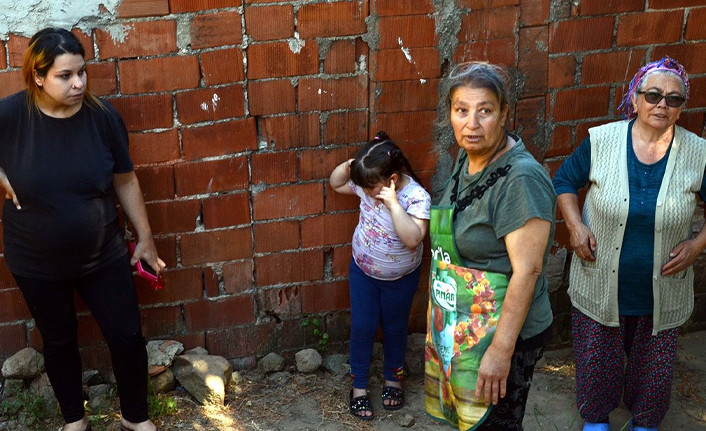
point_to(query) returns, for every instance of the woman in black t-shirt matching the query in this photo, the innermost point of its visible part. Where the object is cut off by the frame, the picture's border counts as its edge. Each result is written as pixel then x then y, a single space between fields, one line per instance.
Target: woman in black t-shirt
pixel 63 160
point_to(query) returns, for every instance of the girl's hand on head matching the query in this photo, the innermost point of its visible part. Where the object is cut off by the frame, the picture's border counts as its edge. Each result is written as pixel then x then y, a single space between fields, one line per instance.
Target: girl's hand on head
pixel 388 196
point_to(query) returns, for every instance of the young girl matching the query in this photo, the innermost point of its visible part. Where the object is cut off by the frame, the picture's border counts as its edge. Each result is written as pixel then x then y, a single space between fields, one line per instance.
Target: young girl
pixel 384 272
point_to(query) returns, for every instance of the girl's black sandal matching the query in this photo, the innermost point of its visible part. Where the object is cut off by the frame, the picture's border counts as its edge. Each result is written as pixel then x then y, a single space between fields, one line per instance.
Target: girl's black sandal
pixel 359 405
pixel 392 394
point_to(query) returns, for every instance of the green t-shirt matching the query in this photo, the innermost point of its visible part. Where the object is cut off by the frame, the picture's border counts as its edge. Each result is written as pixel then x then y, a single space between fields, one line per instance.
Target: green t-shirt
pixel 510 191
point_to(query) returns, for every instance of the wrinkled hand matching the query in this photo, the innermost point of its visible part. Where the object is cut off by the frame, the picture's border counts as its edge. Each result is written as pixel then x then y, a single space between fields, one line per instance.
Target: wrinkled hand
pixel 681 257
pixel 492 376
pixel 9 191
pixel 388 196
pixel 147 251
pixel 583 242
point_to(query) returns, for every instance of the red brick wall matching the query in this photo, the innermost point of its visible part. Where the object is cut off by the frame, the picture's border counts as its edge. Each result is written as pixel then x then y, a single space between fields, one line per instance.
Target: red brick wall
pixel 238 111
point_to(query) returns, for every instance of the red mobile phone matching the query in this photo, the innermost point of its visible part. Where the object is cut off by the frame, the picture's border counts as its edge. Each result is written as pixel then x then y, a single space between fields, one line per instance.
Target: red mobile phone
pixel 145 271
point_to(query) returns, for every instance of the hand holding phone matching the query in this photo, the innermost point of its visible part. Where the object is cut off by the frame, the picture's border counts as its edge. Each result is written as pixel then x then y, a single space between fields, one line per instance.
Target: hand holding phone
pixel 146 271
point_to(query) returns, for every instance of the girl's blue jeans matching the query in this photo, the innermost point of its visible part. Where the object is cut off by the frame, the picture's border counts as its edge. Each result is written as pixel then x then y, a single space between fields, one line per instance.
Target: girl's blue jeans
pixel 379 303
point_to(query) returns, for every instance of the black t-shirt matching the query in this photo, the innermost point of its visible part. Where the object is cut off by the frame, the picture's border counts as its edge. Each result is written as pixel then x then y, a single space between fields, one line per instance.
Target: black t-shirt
pixel 61 170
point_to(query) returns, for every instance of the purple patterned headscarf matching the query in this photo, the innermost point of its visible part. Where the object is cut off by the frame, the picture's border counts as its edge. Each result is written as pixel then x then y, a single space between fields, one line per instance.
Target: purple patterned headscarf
pixel 665 64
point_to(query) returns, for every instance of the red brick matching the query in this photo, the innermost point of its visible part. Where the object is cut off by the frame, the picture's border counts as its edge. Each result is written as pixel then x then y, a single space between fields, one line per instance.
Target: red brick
pixel 222 28
pixel 14 339
pixel 243 341
pixel 158 74
pixel 488 4
pixel 697 93
pixel 6 279
pixel 582 129
pixel 137 8
pixel 226 210
pixel 649 28
pixel 332 19
pixel 328 229
pixel 162 322
pixel 561 71
pixel 581 103
pixel 341 260
pixel 277 59
pixel 269 22
pixel 276 236
pixel 319 298
pixel 611 67
pixel 674 4
pixel 139 40
pixel 291 131
pixel 421 155
pixel 209 104
pixel 216 246
pixel 3 56
pixel 86 41
pixel 533 60
pixel 495 23
pixel 695 28
pixel 409 7
pixel 219 139
pixel 156 182
pixel 101 78
pixel 11 82
pixel 154 147
pixel 410 31
pixel 238 277
pixel 689 55
pixel 581 34
pixel 224 313
pixel 271 97
pixel 317 164
pixel 529 116
pixel 406 126
pixel 534 12
pixel 340 202
pixel 166 248
pixel 180 6
pixel 145 112
pixel 174 216
pixel 16 47
pixel 13 306
pixel 179 285
pixel 222 66
pixel 288 201
pixel 396 96
pixel 394 65
pixel 211 177
pixel 561 144
pixel 316 94
pixel 692 121
pixel 343 56
pixel 346 127
pixel 498 51
pixel 211 281
pixel 274 168
pixel 284 268
pixel 285 301
pixel 609 7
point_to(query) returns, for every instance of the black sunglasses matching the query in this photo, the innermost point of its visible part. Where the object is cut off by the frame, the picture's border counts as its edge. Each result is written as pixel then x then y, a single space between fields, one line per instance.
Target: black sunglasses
pixel 653 97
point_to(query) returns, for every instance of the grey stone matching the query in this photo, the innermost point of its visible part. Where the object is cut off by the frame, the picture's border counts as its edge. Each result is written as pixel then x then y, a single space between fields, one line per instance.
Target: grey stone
pixel 163 382
pixel 280 378
pixel 205 377
pixel 245 363
pixel 162 352
pixel 406 421
pixel 25 364
pixel 12 387
pixel 198 350
pixel 99 397
pixel 271 363
pixel 91 378
pixel 555 269
pixel 307 360
pixel 41 387
pixel 336 364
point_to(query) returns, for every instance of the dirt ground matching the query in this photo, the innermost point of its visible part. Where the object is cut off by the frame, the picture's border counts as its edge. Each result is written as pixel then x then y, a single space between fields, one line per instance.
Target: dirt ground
pixel 298 402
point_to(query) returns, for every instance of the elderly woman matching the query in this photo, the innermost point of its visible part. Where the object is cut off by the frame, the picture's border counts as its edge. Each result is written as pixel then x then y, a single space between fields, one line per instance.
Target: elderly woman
pixel 631 281
pixel 64 158
pixel 489 313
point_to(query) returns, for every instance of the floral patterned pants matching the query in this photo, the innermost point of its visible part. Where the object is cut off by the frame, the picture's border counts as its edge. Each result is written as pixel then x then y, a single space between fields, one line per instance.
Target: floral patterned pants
pixel 603 377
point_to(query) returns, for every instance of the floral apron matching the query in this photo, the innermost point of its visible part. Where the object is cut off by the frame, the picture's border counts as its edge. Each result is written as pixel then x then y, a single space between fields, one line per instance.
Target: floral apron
pixel 464 308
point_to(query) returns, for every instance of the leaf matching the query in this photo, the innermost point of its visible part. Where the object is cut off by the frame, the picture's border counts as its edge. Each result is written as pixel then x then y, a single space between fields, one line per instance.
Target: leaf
pixel 315 322
pixel 305 323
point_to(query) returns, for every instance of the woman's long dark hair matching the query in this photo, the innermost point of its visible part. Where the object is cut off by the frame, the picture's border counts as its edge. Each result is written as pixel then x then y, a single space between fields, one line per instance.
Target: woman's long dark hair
pixel 377 161
pixel 44 47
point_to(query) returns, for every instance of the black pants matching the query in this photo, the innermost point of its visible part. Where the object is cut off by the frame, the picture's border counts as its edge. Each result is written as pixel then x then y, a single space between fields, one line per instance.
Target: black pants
pixel 109 293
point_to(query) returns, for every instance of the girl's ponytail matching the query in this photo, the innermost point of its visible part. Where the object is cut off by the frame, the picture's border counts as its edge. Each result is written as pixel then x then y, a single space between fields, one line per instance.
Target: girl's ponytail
pixel 378 160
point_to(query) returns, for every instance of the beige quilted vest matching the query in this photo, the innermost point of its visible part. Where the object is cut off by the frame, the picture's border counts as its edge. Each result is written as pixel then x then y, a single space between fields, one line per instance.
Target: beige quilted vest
pixel 593 286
